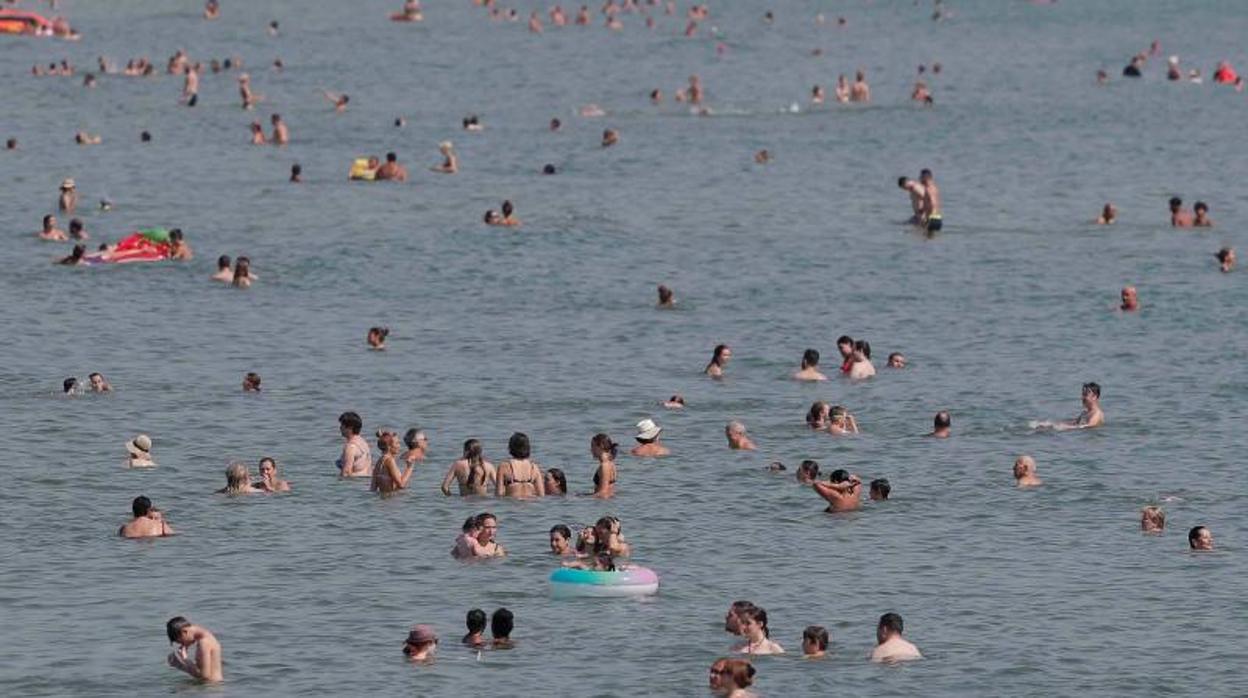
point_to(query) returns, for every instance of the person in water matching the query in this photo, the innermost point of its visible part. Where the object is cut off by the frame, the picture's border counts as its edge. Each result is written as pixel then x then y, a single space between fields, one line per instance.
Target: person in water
pixel 224 271
pixel 860 91
pixel 50 232
pixel 756 633
pixel 340 101
pixel 932 216
pixel 421 643
pixel 880 489
pixel 675 402
pixel 814 642
pixel 1025 472
pixel 841 491
pixel 450 161
pixel 1226 259
pixel 648 445
pixel 391 169
pixel 179 250
pixel 561 541
pixel 1130 300
pixel 478 538
pixel 502 623
pixel 810 367
pixel 818 415
pixel 891 646
pixel 861 367
pixel 472 472
pixel 296 173
pixel 257 134
pixel 356 459
pixel 915 190
pixel 737 438
pixel 237 480
pixel 556 482
pixel 719 359
pixel 845 345
pixel 841 422
pixel 1109 215
pixel 76 257
pixel 1200 538
pixel 148 521
pixel 604 450
pixel 610 137
pixel 206 666
pixel 732 620
pixel 1092 416
pixel 281 134
pixel 667 299
pixel 1201 219
pixel 417 444
pixel 67 202
pixel 942 425
pixel 1179 216
pixel 1152 519
pixel 896 360
pixel 242 273
pixel 377 338
pixel 732 678
pixel 807 472
pixel 475 621
pixel 519 477
pixel 251 382
pixel 386 475
pixel 140 452
pixel 608 538
pixel 269 480
pixel 97 384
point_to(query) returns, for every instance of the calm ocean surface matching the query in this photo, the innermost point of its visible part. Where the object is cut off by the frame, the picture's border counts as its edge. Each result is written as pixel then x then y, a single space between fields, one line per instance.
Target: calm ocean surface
pixel 550 329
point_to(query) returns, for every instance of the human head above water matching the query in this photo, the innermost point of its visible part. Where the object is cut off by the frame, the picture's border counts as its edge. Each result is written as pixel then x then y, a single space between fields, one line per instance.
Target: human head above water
pixel 518 446
pixel 140 506
pixel 350 422
pixel 502 623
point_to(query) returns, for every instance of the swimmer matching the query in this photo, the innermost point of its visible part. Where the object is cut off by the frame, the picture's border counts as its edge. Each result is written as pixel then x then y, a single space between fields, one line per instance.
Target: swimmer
pixel 84 138
pixel 1092 416
pixel 1109 215
pixel 502 622
pixel 860 91
pixel 70 386
pixel 178 249
pixel 648 445
pixel 816 94
pixel 377 338
pixel 920 93
pixel 475 620
pixel 257 134
pixel 421 643
pixel 356 459
pixel 609 539
pixel 732 621
pixel 845 345
pixel 557 17
pixel 249 99
pixel 206 666
pixel 942 425
pixel 50 232
pixel 1172 69
pixel 1130 300
pixel 1102 77
pixel 269 480
pixel 296 173
pixel 535 23
pixel 861 368
pixel 386 476
pixel 841 491
pixel 841 422
pixel 224 272
pixel 473 123
pixel 842 89
pixel 915 190
pixel 76 257
pixel 237 480
pixel 242 273
pixel 879 490
pixel 732 678
pixel 472 471
pixel 1226 259
pixel 1199 538
pixel 190 85
pixel 610 137
pixel 561 541
pixel 140 452
pixel 719 359
pixel 604 450
pixel 482 543
pixel 891 646
pixel 1201 220
pixel 518 476
pixel 763 157
pixel 97 384
pixel 450 161
pixel 810 367
pixel 549 169
pixel 391 169
pixel 656 96
pixel 339 101
pixel 417 444
pixel 1025 472
pixel 68 199
pixel 493 218
pixel 807 472
pixel 148 521
pixel 281 134
pixel 212 9
pixel 555 125
pixel 1179 217
pixel 675 402
pixel 814 642
pixel 667 299
pixel 411 12
pixel 1152 519
pixel 273 28
pixel 896 360
pixel 818 414
pixel 932 217
pixel 756 633
pixel 737 439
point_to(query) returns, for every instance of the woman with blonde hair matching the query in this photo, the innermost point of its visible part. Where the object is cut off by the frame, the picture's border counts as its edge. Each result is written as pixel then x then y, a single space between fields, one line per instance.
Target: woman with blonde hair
pixel 450 161
pixel 386 475
pixel 237 480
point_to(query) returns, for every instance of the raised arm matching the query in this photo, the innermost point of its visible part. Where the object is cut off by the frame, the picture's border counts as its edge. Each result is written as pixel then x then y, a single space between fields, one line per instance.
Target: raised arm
pixel 400 479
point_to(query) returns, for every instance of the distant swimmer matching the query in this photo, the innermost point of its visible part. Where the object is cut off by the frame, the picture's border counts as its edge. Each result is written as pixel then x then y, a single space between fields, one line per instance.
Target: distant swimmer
pixel 732 678
pixel 509 215
pixel 478 538
pixel 148 521
pixel 387 478
pixel 817 94
pixel 76 257
pixel 356 459
pixel 391 169
pixel 50 232
pixel 242 273
pixel 1135 68
pixel 555 125
pixel 675 402
pixel 472 472
pixel 942 425
pixel 1130 300
pixel 238 480
pixel 269 480
pixel 421 643
pixel 807 472
pixel 84 138
pixel 921 93
pixel 179 250
pixel 879 490
pixel 841 422
pixel 519 476
pixel 932 216
pixel 340 101
pixel 1200 538
pixel 97 384
pixel 377 338
pixel 810 367
pixel 257 134
pixel 206 665
pixel 281 134
pixel 190 85
pixel 861 368
pixel 818 414
pixel 475 621
pixel 1109 215
pixel 1025 472
pixel 604 450
pixel 763 157
pixel 891 646
pixel 472 122
pixel 667 298
pixel 841 491
pixel 1152 519
pixel 251 381
pixel 1091 416
pixel 296 173
pixel 1102 77
pixel 139 450
pixel 656 96
pixel 738 440
pixel 67 202
pixel 502 623
pixel 610 137
pixel 450 161
pixel 212 9
pixel 842 89
pixel 896 360
pixel 814 642
pixel 1226 259
pixel 248 98
pixel 756 634
pixel 648 445
pixel 561 541
pixel 557 16
pixel 411 12
pixel 417 443
pixel 1179 216
pixel 1201 219
pixel 535 22
pixel 224 271
pixel 915 190
pixel 860 91
pixel 719 359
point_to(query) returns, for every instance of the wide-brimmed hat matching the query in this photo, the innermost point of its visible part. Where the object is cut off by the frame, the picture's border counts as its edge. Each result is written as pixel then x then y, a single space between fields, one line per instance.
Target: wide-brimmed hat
pixel 421 634
pixel 140 445
pixel 647 429
pixel 67 183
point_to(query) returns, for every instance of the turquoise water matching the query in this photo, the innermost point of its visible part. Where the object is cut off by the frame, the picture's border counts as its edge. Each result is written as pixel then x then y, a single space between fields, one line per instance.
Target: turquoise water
pixel 550 329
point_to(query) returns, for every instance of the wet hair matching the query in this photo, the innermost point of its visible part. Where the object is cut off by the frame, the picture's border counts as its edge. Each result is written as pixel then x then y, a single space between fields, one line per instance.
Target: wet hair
pixel 902 181
pixel 69 384
pixel 1200 206
pixel 93 374
pixel 223 262
pixel 1092 388
pixel 895 355
pixel 809 468
pixel 838 411
pixel 275 118
pixel 839 475
pixel 810 358
pixel 555 124
pixel 891 622
pixel 391 157
pixel 557 475
pixel 813 416
pixel 502 623
pixel 864 346
pixel 253 379
pixel 816 634
pixel 176 234
pixel 1194 534
pixel 518 445
pixel 469 524
pixel 475 620
pixel 145 137
pixel 75 255
pixel 1223 253
pixel 740 606
pixel 604 444
pixel 75 226
pixel 561 530
pixel 174 627
pixel 881 486
pixel 942 420
pixel 351 421
pixel 925 173
pixel 296 170
pixel 548 169
pixel 845 339
pixel 236 476
pixel 665 294
pixel 412 436
pixel 758 615
pixel 140 506
pixel 507 208
pixel 489 215
pixel 1175 202
pixel 740 671
pixel 11 144
pixel 1154 514
pixel 717 357
pixel 346 98
pixel 47 219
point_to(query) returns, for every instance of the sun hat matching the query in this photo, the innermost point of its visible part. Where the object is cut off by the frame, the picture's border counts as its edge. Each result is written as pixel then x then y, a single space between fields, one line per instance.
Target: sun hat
pixel 647 429
pixel 421 634
pixel 140 445
pixel 68 183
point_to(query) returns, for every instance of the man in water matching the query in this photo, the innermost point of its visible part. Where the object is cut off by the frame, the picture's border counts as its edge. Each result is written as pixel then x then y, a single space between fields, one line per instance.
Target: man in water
pixel 356 459
pixel 667 299
pixel 1179 217
pixel 931 202
pixel 860 91
pixel 1202 219
pixel 915 190
pixel 224 271
pixel 50 231
pixel 1025 472
pixel 98 384
pixel 1226 259
pixel 841 492
pixel 737 439
pixel 891 646
pixel 1130 300
pixel 1092 416
pixel 178 249
pixel 942 425
pixel 392 170
pixel 206 666
pixel 148 522
pixel 810 367
pixel 281 135
pixel 1199 538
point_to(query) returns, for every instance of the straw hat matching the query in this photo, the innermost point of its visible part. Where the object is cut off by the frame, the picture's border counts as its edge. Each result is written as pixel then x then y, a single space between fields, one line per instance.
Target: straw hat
pixel 67 183
pixel 647 429
pixel 140 446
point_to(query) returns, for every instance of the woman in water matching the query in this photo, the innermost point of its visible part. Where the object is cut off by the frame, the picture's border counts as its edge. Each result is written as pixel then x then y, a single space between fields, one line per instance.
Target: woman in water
pixel 269 480
pixel 757 635
pixel 561 541
pixel 841 422
pixel 604 450
pixel 74 258
pixel 377 338
pixel 242 273
pixel 450 161
pixel 719 359
pixel 556 483
pixel 472 472
pixel 817 415
pixel 386 475
pixel 608 539
pixel 519 477
pixel 237 480
pixel 732 677
pixel 585 540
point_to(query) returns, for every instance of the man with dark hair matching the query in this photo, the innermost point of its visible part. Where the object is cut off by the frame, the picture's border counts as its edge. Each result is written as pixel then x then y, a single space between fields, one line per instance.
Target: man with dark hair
pixel 148 522
pixel 1200 221
pixel 915 190
pixel 841 491
pixel 476 628
pixel 931 202
pixel 391 169
pixel 1199 538
pixel 1179 217
pixel 356 458
pixel 1092 416
pixel 732 621
pixel 880 488
pixel 890 645
pixel 810 367
pixel 942 425
pixel 501 625
pixel 845 345
pixel 206 666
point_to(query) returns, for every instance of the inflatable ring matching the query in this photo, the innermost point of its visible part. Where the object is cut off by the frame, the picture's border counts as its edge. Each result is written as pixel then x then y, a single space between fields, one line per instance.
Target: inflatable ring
pixel 634 581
